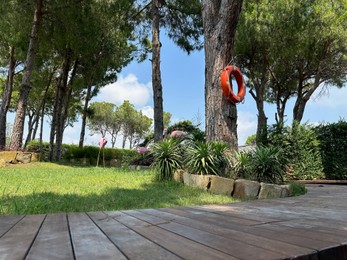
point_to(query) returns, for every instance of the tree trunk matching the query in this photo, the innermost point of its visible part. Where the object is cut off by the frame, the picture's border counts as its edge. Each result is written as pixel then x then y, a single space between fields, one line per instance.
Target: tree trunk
pixel 84 114
pixel 18 127
pixel 302 98
pixel 57 118
pixel 41 109
pixel 62 95
pixel 219 19
pixel 6 99
pixel 53 124
pixel 156 74
pixel 261 135
pixel 124 140
pixel 31 123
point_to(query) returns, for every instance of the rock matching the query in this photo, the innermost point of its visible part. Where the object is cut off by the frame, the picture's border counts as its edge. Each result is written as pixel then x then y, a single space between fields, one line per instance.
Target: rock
pixel 269 191
pixel 220 185
pixel 178 175
pixel 132 167
pixel 23 157
pixel 246 189
pixel 200 181
pixel 115 163
pixel 285 191
pixel 2 163
pixel 203 181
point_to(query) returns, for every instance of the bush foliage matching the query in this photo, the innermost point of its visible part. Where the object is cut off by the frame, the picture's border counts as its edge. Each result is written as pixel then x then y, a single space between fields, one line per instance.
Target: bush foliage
pixel 333 147
pixel 88 152
pixel 299 150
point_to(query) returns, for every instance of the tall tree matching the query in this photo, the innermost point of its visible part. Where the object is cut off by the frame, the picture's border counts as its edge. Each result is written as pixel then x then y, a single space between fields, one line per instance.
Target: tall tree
pixel 101 116
pixel 6 98
pixel 323 57
pixel 182 20
pixel 306 49
pixel 219 20
pixel 15 27
pixel 18 127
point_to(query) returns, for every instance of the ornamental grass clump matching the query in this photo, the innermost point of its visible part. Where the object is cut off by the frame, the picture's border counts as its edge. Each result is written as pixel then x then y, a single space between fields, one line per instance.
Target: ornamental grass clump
pixel 167 158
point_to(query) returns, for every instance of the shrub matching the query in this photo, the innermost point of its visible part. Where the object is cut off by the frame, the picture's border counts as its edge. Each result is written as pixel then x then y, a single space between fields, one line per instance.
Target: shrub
pixel 71 151
pixel 296 189
pixel 242 165
pixel 167 158
pixel 208 158
pixel 266 165
pixel 34 146
pixel 300 147
pixel 333 146
pixel 187 126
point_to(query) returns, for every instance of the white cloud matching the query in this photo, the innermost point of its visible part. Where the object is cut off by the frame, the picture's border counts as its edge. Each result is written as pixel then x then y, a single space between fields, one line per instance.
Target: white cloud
pixel 246 125
pixel 148 111
pixel 126 88
pixel 332 98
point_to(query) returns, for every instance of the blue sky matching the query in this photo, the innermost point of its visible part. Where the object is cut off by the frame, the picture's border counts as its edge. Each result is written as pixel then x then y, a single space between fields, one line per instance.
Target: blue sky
pixel 183 93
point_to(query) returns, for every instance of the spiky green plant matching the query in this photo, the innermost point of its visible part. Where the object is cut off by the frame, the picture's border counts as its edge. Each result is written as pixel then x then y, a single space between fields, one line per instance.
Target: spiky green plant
pixel 208 158
pixel 200 160
pixel 266 164
pixel 167 158
pixel 242 165
pixel 222 156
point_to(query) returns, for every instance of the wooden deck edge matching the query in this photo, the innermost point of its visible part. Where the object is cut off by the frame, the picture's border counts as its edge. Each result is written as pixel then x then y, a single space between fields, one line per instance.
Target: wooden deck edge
pixel 322 181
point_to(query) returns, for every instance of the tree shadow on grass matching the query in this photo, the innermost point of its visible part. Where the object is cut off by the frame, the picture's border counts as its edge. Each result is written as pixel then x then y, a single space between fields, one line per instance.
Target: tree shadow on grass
pixel 155 195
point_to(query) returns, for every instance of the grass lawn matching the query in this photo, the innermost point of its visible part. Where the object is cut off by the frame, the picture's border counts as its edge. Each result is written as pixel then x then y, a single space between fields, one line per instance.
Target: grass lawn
pixel 46 188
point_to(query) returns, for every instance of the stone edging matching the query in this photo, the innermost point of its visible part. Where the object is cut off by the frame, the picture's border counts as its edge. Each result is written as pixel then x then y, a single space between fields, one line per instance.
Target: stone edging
pixel 7 157
pixel 240 188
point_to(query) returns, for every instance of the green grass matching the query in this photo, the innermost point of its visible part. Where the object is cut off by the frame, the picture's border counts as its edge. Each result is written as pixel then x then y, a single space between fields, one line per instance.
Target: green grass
pixel 38 188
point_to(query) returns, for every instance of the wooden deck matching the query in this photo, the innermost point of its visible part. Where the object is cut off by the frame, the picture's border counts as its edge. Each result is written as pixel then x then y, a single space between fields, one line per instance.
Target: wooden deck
pixel 313 226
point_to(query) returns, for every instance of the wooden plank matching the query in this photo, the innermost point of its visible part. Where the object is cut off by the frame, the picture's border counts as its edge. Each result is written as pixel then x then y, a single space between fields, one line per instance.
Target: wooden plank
pixel 335 227
pixel 211 215
pixel 240 212
pixel 265 243
pixel 88 240
pixel 181 246
pixel 17 241
pixel 262 232
pixel 133 245
pixel 229 246
pixel 322 181
pixel 334 239
pixel 7 222
pixel 53 240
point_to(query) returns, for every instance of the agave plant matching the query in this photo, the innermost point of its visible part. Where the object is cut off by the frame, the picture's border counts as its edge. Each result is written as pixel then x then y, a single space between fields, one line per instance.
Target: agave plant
pixel 167 158
pixel 222 154
pixel 242 165
pixel 266 164
pixel 207 158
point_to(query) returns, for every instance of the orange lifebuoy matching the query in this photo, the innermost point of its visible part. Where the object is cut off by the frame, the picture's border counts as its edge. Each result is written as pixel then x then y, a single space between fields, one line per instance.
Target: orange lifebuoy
pixel 227 84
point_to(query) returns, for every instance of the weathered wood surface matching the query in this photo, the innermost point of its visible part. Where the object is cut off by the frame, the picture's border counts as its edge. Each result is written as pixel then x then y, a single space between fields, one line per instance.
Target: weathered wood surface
pixel 313 226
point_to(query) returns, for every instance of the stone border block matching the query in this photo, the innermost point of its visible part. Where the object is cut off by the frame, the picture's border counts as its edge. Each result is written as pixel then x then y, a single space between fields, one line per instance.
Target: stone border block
pixel 220 185
pixel 269 191
pixel 200 181
pixel 246 189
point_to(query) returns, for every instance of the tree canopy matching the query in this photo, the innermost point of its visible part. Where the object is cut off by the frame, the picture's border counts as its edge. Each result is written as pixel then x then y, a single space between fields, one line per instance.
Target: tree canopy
pixel 287 49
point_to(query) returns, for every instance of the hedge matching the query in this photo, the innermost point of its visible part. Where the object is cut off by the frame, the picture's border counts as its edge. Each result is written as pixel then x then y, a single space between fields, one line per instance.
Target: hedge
pixel 333 147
